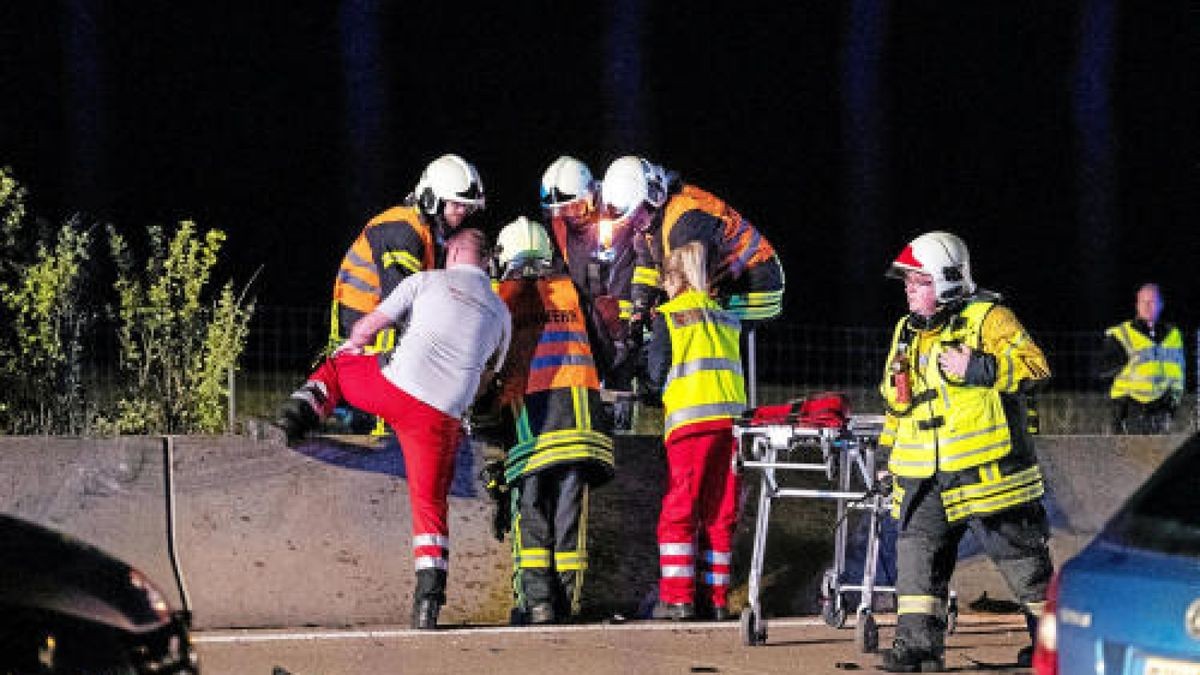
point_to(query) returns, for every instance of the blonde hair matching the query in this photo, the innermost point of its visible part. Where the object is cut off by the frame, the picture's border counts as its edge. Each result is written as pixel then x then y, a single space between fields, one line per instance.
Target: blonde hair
pixel 689 263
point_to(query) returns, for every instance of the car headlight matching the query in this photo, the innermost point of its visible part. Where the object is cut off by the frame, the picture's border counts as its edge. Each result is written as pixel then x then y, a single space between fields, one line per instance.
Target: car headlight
pixel 154 597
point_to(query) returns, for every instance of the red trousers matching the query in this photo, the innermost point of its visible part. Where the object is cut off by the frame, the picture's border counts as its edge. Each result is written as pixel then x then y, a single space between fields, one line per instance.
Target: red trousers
pixel 700 507
pixel 428 437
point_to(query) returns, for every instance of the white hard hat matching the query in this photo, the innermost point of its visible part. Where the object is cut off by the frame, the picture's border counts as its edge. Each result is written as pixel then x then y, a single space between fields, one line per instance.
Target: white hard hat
pixel 566 181
pixel 523 242
pixel 631 181
pixel 942 256
pixel 449 178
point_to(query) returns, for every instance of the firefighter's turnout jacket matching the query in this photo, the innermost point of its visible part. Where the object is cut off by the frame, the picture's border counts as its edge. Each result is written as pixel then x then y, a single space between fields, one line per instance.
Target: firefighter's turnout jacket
pixel 971 432
pixel 1152 369
pixel 743 265
pixel 550 382
pixel 392 245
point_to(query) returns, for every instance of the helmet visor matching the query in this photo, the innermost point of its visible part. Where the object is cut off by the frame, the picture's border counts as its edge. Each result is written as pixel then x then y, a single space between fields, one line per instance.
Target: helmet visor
pixel 574 209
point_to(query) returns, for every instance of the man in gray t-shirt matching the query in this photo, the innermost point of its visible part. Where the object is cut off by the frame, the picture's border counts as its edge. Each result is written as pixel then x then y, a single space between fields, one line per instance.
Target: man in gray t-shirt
pixel 457 335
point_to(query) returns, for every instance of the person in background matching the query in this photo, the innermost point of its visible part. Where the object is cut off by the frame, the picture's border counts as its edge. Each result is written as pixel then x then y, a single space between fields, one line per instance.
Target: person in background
pixel 561 446
pixel 1144 357
pixel 399 242
pixel 958 447
pixel 694 359
pixel 457 335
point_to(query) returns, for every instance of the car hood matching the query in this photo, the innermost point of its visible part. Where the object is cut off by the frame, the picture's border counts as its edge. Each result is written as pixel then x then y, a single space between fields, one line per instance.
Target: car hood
pixel 47 570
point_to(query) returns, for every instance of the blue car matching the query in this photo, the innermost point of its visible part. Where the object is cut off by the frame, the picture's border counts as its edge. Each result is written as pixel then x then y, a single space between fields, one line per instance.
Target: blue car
pixel 1129 603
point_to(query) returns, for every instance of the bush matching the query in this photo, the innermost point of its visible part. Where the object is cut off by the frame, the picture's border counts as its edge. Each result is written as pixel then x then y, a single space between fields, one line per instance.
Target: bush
pixel 176 345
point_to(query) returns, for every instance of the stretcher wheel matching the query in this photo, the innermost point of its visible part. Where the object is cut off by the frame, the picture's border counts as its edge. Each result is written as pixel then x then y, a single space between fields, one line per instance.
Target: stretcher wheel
pixel 754 632
pixel 834 613
pixel 866 633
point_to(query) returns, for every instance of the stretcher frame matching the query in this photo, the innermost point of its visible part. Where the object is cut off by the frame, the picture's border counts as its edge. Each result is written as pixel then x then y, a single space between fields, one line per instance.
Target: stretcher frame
pixel 848 459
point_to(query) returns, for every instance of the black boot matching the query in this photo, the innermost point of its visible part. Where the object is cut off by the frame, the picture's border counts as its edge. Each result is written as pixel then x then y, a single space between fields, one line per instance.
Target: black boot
pixel 425 613
pixel 296 418
pixel 675 611
pixel 542 613
pixel 428 598
pixel 902 658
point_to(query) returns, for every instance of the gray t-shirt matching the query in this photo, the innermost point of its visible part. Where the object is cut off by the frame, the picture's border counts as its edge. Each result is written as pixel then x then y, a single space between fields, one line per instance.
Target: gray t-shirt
pixel 457 326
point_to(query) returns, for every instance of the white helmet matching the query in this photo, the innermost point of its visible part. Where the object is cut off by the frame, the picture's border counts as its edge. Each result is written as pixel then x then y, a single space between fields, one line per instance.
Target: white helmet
pixel 630 181
pixel 567 181
pixel 449 178
pixel 942 256
pixel 523 243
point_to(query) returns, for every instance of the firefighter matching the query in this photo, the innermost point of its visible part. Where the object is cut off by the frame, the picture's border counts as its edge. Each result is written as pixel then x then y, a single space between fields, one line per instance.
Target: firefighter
pixel 695 360
pixel 1144 357
pixel 561 447
pixel 959 367
pixel 599 260
pixel 664 214
pixel 402 241
pixel 457 335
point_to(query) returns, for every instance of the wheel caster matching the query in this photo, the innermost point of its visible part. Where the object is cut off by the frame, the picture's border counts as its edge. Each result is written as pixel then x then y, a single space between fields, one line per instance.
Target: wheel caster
pixel 866 633
pixel 754 630
pixel 833 613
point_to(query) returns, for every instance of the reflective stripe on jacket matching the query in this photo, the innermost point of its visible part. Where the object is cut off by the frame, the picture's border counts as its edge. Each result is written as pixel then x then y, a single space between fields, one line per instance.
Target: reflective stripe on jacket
pixel 954 427
pixel 741 245
pixel 358 285
pixel 558 410
pixel 971 434
pixel 705 380
pixel 1153 368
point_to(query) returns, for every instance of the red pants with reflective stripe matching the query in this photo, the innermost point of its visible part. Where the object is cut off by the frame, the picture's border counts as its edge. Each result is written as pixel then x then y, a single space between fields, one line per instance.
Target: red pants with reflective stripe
pixel 428 437
pixel 700 506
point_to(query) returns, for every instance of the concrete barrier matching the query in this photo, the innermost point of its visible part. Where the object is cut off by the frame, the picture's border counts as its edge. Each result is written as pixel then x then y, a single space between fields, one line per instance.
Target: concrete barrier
pixel 319 535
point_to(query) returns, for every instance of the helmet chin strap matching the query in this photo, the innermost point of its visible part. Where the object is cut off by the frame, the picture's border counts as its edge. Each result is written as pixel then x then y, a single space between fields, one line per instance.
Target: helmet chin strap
pixel 937 319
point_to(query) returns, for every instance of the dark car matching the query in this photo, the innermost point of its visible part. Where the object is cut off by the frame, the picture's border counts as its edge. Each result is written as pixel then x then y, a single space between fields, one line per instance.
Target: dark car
pixel 1129 603
pixel 68 607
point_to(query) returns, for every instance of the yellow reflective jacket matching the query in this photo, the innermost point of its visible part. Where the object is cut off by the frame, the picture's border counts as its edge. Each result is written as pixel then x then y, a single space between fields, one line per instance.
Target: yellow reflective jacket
pixel 705 380
pixel 1153 369
pixel 971 430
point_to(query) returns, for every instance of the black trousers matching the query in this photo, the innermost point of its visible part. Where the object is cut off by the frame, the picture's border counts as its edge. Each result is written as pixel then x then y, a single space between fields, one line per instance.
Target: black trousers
pixel 1132 417
pixel 550 538
pixel 927 552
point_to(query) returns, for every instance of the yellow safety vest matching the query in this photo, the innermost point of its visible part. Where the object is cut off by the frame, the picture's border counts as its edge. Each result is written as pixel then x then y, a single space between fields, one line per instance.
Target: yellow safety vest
pixel 949 427
pixel 705 381
pixel 1153 369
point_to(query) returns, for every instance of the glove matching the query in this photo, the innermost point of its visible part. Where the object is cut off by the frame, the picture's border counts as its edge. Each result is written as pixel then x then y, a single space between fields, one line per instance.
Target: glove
pixel 492 476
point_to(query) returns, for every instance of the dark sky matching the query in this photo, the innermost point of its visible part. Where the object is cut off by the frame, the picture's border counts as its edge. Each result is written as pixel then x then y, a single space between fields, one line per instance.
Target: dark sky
pixel 1060 139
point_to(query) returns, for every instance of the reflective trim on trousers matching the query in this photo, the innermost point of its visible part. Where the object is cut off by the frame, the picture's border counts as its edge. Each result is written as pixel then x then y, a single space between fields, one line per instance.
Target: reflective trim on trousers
pixel 431 540
pixel 676 549
pixel 674 571
pixel 427 562
pixel 920 604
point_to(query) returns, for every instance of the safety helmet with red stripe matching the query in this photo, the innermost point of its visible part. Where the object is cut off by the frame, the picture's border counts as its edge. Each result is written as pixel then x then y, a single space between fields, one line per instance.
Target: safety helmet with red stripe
pixel 944 257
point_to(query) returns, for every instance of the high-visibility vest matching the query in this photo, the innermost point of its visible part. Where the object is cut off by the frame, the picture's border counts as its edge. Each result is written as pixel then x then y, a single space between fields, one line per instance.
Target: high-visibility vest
pixel 357 285
pixel 949 427
pixel 705 381
pixel 1153 368
pixel 557 407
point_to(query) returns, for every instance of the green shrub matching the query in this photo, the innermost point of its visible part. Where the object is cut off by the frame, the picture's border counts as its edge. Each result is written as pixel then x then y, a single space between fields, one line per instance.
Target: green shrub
pixel 176 349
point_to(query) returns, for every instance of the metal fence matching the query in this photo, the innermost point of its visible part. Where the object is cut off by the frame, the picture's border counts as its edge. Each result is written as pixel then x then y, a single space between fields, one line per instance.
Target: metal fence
pixel 792 360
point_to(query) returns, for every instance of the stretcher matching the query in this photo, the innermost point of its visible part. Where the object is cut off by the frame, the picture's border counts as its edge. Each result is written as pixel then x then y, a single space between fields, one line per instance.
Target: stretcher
pixel 816 435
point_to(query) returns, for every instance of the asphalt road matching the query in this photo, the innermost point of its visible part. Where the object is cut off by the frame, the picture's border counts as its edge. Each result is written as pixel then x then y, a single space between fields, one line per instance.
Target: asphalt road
pixel 801 645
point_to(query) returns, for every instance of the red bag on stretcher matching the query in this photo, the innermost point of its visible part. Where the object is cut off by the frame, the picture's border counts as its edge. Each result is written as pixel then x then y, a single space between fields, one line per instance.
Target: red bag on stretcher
pixel 830 410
